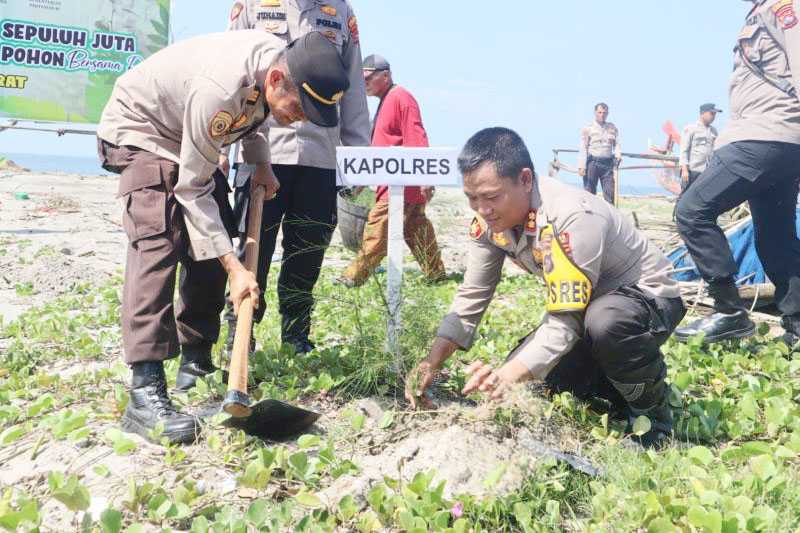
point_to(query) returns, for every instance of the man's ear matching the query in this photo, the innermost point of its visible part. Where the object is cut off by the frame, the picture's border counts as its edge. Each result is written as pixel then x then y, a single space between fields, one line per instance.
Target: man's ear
pixel 275 78
pixel 526 179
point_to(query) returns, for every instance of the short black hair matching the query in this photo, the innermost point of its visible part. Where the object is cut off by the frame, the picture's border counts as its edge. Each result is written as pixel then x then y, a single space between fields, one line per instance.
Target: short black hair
pixel 601 104
pixel 501 146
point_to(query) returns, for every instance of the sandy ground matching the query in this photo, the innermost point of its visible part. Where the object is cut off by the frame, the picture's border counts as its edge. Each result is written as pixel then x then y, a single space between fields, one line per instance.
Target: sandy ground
pixel 68 231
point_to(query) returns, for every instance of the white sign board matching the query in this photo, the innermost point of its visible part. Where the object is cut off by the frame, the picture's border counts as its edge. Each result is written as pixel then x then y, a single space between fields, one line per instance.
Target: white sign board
pixel 397 165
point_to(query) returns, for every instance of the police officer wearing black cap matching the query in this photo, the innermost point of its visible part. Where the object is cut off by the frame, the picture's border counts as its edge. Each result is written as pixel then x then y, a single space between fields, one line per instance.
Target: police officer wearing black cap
pixel 319 79
pixel 757 160
pixel 163 129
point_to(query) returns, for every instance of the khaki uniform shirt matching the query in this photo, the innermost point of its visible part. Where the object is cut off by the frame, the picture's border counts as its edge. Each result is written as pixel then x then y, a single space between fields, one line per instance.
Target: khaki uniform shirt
pixel 697 145
pixel 306 143
pixel 602 243
pixel 598 140
pixel 185 103
pixel 759 110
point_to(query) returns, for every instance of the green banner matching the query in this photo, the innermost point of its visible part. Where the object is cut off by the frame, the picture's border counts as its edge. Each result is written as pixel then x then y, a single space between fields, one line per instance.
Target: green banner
pixel 59 59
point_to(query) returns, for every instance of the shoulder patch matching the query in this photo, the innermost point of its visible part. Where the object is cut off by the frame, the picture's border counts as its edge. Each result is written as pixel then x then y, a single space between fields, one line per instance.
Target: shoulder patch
pixel 785 14
pixel 352 25
pixel 236 10
pixel 530 224
pixel 220 124
pixel 477 228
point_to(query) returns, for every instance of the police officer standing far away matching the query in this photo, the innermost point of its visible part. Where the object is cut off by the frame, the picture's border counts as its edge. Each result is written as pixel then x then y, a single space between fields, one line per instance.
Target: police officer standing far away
pixel 697 145
pixel 304 160
pixel 757 159
pixel 610 302
pixel 599 152
pixel 163 130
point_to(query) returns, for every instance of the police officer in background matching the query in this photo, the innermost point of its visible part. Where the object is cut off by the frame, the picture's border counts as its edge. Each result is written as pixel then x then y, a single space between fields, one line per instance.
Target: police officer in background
pixel 304 161
pixel 697 145
pixel 757 160
pixel 163 130
pixel 599 152
pixel 610 301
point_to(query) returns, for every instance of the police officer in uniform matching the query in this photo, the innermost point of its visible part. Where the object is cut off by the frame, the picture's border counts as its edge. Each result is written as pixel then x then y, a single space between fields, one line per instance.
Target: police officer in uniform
pixel 163 130
pixel 598 153
pixel 304 160
pixel 697 145
pixel 610 301
pixel 757 160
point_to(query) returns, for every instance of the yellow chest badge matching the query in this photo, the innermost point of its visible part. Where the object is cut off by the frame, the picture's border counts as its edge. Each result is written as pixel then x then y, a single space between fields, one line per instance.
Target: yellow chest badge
pixel 270 3
pixel 328 10
pixel 568 288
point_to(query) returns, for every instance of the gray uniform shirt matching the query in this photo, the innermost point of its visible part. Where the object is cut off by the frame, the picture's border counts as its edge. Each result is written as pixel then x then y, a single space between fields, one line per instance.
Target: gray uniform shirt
pixel 697 145
pixel 602 243
pixel 598 140
pixel 759 110
pixel 185 103
pixel 305 143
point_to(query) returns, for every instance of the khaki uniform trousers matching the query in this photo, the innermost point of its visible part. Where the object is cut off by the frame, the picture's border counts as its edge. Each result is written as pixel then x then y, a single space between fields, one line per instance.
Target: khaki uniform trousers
pixel 419 236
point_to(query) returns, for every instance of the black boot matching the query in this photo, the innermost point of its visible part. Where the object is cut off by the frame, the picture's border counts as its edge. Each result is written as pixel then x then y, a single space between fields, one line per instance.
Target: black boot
pixel 294 332
pixel 232 335
pixel 195 363
pixel 791 326
pixel 150 404
pixel 647 395
pixel 730 321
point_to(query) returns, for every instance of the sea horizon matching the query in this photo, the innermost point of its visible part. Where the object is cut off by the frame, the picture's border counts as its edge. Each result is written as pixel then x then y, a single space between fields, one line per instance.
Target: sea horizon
pixel 88 166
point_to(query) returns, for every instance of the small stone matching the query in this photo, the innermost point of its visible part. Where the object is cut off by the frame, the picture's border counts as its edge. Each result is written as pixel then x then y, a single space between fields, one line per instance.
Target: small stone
pixel 66 251
pixel 371 408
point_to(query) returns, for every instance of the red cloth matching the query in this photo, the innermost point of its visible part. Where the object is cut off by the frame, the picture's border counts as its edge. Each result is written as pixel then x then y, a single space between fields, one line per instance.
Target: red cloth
pixel 399 123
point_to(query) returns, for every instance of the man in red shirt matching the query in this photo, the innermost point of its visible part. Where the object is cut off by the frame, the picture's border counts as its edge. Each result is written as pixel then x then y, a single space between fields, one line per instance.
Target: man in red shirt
pixel 397 123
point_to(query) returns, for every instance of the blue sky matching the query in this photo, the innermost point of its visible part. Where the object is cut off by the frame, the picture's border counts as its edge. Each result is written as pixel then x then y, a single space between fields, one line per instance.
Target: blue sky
pixel 537 67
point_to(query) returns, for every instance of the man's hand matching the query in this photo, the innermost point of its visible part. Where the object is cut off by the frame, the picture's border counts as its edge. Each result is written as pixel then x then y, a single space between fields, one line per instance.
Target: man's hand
pixel 242 282
pixel 493 382
pixel 581 172
pixel 427 192
pixel 224 164
pixel 265 177
pixel 417 383
pixel 685 174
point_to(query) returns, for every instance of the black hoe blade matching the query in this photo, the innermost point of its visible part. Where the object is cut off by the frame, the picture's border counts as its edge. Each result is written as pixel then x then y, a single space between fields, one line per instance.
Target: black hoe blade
pixel 274 420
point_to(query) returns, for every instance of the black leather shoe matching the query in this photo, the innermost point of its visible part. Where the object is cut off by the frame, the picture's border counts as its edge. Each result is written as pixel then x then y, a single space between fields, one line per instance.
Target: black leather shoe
pixel 195 363
pixel 150 404
pixel 232 335
pixel 300 346
pixel 719 327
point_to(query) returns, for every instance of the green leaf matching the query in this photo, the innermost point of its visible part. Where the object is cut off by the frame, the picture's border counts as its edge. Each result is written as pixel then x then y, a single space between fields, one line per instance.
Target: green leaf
pixel 111 520
pixel 763 467
pixel 347 508
pixel 299 462
pixel 122 445
pixel 641 425
pixel 662 525
pixel 701 455
pixel 386 420
pixel 199 525
pixel 13 433
pixel 306 499
pixel 72 494
pixel 136 528
pixel 308 441
pixel 257 513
